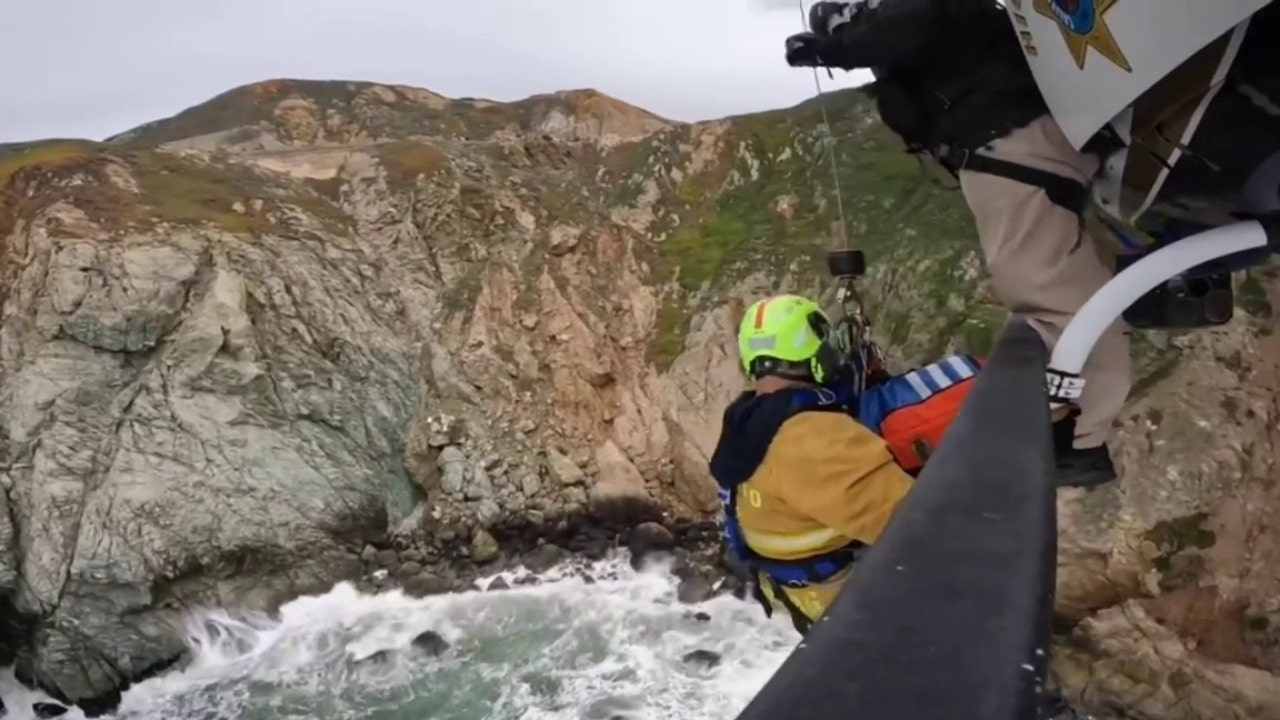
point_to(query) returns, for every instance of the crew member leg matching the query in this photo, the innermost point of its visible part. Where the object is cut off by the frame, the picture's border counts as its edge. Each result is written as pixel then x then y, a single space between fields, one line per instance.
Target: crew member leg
pixel 1044 265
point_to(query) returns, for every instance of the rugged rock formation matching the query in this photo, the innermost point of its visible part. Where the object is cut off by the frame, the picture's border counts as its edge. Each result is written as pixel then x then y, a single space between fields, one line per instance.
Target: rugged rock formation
pixel 1174 576
pixel 256 347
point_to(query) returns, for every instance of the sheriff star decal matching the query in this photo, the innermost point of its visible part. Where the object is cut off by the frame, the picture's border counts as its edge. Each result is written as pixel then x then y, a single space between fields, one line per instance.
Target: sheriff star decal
pixel 1083 25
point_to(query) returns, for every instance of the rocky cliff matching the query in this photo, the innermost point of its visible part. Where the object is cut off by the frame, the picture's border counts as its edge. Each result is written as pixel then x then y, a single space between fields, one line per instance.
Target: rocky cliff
pixel 246 345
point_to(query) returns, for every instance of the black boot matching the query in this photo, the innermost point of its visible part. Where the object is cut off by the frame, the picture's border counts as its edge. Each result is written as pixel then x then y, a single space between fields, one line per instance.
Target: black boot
pixel 1084 467
pixel 1079 467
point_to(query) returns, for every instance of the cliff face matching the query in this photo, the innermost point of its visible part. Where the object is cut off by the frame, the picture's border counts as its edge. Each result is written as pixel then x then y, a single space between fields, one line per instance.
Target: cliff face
pixel 238 344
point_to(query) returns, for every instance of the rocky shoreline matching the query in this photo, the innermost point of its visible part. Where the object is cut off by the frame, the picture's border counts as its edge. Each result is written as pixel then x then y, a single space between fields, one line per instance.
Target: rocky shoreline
pixel 454 562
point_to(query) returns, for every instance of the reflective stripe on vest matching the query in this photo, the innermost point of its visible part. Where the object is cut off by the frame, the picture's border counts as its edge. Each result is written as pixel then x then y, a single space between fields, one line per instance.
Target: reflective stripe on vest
pixel 912 388
pixel 792 573
pixel 778 544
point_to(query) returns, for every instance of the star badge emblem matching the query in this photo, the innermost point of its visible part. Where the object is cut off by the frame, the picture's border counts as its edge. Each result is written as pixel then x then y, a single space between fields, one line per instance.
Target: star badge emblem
pixel 1083 25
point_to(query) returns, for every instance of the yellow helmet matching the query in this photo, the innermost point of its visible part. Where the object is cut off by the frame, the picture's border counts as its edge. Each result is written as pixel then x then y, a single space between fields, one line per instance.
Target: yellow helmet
pixel 785 332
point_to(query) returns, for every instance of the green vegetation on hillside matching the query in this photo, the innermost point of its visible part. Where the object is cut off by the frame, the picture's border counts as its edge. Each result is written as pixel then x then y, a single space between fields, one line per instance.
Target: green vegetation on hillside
pixel 406 161
pixel 1253 296
pixel 14 158
pixel 191 192
pixel 671 326
pixel 172 188
pixel 235 198
pixel 769 204
pixel 50 155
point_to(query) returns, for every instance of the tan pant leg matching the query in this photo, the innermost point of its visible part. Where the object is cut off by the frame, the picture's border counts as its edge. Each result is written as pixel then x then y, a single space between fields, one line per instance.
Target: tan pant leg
pixel 1044 265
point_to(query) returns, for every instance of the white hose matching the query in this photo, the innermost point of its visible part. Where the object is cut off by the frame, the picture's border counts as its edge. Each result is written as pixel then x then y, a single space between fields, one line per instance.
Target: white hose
pixel 1109 302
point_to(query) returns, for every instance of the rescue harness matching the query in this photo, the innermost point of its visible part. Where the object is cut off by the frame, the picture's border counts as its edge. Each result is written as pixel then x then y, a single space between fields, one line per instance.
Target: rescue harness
pixel 813 570
pixel 874 405
pixel 806 571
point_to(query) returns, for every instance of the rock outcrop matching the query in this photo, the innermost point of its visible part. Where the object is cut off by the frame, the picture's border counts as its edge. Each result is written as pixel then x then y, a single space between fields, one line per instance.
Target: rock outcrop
pixel 249 350
pixel 1173 577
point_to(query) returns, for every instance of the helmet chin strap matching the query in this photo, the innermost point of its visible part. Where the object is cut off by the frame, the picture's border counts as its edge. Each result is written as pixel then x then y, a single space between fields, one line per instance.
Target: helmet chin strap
pixel 778 369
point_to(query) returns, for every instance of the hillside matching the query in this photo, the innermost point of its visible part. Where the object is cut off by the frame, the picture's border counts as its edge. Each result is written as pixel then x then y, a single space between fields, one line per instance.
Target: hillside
pixel 336 311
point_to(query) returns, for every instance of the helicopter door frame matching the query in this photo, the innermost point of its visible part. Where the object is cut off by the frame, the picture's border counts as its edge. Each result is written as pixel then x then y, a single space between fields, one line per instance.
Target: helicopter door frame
pixel 1108 188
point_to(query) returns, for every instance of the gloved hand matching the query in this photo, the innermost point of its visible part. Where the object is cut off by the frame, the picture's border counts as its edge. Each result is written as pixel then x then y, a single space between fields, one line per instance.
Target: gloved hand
pixel 826 16
pixel 806 49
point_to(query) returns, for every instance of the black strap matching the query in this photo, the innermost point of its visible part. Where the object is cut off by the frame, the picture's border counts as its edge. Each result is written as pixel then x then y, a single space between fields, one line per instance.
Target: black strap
pixel 799 620
pixel 1063 191
pixel 817 569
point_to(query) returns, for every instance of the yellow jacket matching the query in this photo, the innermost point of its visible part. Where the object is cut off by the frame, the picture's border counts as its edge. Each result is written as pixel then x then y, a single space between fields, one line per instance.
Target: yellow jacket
pixel 824 481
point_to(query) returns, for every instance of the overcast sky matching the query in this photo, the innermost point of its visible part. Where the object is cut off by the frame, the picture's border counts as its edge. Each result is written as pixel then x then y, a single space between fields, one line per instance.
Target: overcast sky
pixel 93 68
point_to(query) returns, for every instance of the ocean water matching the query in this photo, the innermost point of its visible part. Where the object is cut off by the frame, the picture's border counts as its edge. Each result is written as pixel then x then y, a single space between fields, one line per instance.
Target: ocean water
pixel 610 648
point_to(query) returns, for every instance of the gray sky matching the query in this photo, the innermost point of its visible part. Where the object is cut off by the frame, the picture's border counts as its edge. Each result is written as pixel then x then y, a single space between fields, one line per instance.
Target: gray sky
pixel 92 68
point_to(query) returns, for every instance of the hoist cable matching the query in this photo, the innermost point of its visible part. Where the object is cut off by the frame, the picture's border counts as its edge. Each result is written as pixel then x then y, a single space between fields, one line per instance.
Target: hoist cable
pixel 831 140
pixel 854 324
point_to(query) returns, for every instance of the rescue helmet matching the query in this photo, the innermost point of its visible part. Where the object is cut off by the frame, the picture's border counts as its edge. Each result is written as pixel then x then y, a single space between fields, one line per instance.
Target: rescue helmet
pixel 785 335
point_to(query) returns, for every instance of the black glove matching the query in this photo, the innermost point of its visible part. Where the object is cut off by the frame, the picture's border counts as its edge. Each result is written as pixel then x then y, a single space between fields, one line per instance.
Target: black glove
pixel 806 50
pixel 825 16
